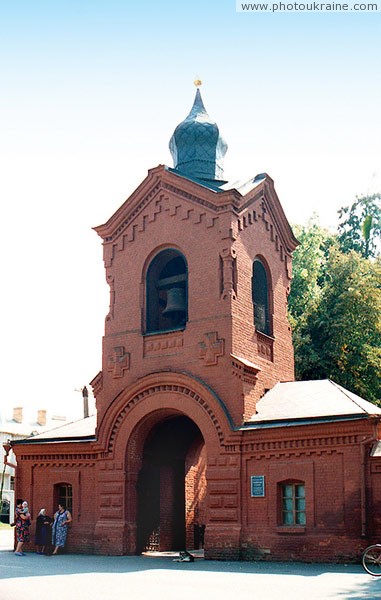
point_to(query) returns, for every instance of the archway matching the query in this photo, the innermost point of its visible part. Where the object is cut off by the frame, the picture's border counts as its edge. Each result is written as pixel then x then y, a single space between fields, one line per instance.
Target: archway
pixel 171 487
pixel 134 419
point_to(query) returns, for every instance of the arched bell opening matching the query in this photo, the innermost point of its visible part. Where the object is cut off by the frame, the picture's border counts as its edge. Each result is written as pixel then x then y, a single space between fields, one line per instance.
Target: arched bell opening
pixel 260 289
pixel 171 487
pixel 166 292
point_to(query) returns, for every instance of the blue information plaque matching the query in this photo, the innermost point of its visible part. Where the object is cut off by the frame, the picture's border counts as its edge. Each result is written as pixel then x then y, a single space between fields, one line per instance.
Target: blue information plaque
pixel 257 486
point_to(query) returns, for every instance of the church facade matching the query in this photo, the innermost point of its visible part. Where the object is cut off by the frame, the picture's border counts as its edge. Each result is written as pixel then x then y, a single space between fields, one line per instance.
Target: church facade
pixel 202 436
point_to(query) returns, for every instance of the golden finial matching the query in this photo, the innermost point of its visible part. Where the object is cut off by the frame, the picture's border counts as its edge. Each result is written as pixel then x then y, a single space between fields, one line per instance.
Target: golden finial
pixel 197 82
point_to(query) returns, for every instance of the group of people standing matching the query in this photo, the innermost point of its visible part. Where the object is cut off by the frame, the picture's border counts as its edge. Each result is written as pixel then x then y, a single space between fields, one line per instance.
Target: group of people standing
pixel 49 531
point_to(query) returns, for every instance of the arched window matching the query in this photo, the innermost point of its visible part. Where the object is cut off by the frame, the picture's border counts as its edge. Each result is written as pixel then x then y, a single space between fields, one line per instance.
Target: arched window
pixel 167 292
pixel 260 295
pixel 63 494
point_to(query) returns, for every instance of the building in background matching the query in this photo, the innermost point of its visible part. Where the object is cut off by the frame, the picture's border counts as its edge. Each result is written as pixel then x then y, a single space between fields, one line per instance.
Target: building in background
pixel 202 436
pixel 17 424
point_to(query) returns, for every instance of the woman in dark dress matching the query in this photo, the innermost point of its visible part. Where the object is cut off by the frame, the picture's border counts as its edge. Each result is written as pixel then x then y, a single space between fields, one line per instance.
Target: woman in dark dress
pixel 42 536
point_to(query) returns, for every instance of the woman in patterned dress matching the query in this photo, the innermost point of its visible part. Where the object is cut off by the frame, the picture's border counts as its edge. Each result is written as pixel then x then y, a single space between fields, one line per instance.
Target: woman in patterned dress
pixel 22 523
pixel 62 518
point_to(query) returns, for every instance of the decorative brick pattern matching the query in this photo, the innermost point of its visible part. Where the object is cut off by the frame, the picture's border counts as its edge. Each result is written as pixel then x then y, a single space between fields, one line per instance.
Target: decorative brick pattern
pixel 229 277
pixel 223 501
pixel 152 390
pixel 118 361
pixel 211 348
pixel 265 346
pixel 97 383
pixel 253 217
pixel 110 281
pixel 163 345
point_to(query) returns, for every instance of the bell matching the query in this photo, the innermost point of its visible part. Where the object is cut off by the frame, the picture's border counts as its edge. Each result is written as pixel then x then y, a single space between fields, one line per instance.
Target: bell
pixel 175 303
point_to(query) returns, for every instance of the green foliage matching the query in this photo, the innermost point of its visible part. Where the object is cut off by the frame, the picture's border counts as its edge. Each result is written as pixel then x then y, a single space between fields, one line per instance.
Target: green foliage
pixel 308 267
pixel 360 226
pixel 335 311
pixel 340 336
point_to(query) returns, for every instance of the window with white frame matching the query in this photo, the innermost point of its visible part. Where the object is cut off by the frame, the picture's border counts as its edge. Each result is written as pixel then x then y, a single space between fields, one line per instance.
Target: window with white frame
pixel 293 503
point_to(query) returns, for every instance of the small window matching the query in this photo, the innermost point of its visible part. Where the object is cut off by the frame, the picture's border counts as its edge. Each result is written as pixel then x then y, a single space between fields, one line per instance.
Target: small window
pixel 260 296
pixel 293 504
pixel 166 292
pixel 5 510
pixel 64 496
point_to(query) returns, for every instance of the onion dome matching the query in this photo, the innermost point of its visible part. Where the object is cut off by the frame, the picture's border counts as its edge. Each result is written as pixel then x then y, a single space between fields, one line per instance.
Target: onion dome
pixel 197 146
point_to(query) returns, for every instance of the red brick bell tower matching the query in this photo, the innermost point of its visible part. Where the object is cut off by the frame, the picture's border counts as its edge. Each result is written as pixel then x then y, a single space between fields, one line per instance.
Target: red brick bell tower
pixel 199 273
pixel 203 439
pixel 221 257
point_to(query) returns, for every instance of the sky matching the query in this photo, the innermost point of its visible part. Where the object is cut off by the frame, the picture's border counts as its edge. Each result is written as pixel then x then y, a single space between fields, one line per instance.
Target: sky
pixel 91 91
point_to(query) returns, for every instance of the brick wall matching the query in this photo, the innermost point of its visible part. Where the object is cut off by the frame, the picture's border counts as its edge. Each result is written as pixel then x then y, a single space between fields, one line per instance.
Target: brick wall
pixel 212 374
pixel 219 247
pixel 195 495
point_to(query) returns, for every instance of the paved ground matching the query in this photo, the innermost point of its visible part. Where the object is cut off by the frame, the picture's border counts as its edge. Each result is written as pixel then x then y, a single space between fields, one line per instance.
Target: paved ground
pixel 83 577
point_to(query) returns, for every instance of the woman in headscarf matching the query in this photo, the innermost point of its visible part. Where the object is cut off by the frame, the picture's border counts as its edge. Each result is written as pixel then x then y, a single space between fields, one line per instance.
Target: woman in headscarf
pixel 43 523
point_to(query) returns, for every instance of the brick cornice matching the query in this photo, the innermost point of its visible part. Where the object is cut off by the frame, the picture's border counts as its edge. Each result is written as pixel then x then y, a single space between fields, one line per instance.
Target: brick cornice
pixel 304 446
pixel 61 458
pixel 161 182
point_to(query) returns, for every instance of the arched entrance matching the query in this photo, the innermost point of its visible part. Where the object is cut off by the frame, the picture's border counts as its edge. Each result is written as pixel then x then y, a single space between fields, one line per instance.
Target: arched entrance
pixel 162 416
pixel 171 487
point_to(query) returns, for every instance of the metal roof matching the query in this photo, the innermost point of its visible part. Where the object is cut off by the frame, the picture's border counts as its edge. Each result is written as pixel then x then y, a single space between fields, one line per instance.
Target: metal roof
pixel 288 404
pixel 305 400
pixel 81 430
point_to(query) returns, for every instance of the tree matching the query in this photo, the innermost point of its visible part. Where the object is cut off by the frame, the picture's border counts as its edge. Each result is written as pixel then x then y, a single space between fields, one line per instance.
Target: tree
pixel 360 226
pixel 308 267
pixel 339 336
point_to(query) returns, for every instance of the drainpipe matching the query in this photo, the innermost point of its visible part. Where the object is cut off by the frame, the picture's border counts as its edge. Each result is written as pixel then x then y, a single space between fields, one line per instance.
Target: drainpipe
pixel 363 444
pixel 2 487
pixel 7 448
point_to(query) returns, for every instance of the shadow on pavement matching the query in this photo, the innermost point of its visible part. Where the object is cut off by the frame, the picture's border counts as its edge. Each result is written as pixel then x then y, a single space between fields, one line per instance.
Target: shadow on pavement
pixel 32 565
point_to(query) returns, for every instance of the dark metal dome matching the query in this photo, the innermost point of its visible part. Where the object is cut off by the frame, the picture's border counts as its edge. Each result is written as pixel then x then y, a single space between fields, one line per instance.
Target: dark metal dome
pixel 197 146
